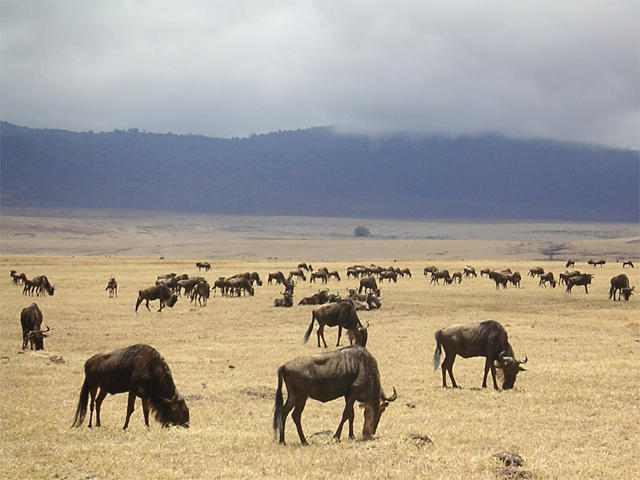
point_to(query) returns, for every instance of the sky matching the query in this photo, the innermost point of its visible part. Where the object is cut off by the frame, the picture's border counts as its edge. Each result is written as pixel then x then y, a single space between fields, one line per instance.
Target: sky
pixel 566 70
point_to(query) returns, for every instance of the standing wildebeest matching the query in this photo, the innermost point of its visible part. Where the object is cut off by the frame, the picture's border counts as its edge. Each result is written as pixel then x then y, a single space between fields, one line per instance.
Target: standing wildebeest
pixel 485 271
pixel 537 271
pixel 547 277
pixel 157 292
pixel 597 262
pixel 499 278
pixel 205 265
pixel 31 321
pixel 112 287
pixel 570 263
pixel 486 339
pixel 565 276
pixel 444 274
pixel 368 284
pixel 584 279
pixel 220 283
pixel 17 279
pixel 238 285
pixel 515 279
pixel 469 271
pixel 351 372
pixel 431 269
pixel 335 274
pixel 306 267
pixel 139 370
pixel 278 277
pixel 389 275
pixel 628 262
pixel 617 284
pixel 343 315
pixel 201 293
pixel 42 285
pixel 297 273
pixel 321 274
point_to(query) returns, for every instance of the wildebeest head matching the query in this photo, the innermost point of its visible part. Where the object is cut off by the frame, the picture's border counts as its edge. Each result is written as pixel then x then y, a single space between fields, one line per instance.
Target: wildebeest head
pixel 36 337
pixel 173 411
pixel 172 300
pixel 373 412
pixel 510 367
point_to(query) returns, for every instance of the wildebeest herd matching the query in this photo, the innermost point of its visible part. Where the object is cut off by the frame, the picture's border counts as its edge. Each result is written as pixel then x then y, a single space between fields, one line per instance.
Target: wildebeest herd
pixel 350 372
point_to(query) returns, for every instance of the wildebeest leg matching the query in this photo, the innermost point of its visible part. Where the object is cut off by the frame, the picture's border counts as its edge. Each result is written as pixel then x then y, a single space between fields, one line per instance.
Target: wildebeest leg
pixel 447 366
pixel 289 404
pixel 488 365
pixel 92 393
pixel 320 334
pixel 147 304
pixel 130 407
pixel 161 305
pixel 101 396
pixel 347 414
pixel 145 410
pixel 585 288
pixel 339 335
pixel 296 415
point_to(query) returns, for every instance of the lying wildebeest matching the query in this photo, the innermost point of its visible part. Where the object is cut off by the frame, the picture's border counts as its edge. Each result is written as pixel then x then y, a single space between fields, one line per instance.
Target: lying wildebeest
pixel 440 274
pixel 486 339
pixel 285 301
pixel 343 315
pixel 369 285
pixel 469 271
pixel 31 321
pixel 628 262
pixel 316 299
pixel 617 284
pixel 277 277
pixel 627 292
pixel 547 277
pixel 351 372
pixel 584 279
pixel 205 265
pixel 321 274
pixel 372 301
pixel 306 267
pixel 570 263
pixel 142 372
pixel 537 271
pixel 597 262
pixel 238 285
pixel 157 292
pixel 112 287
pixel 42 285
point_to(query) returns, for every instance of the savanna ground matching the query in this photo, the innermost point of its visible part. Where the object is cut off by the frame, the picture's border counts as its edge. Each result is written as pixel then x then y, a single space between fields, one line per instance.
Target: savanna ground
pixel 575 412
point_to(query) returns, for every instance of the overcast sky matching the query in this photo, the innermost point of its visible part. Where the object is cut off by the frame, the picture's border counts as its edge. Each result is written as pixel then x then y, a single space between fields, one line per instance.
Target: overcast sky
pixel 554 69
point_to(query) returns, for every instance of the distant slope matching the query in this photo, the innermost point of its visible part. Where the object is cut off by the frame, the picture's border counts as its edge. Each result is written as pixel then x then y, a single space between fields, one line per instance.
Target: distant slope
pixel 315 172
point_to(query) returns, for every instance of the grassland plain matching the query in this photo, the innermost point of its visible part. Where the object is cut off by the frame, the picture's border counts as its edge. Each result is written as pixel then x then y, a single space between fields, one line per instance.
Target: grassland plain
pixel 575 413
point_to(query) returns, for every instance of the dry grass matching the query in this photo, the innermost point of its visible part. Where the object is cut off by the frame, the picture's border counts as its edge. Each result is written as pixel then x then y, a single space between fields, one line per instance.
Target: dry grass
pixel 574 414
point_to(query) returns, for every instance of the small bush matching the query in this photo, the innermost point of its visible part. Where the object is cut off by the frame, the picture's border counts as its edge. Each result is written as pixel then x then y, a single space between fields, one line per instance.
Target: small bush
pixel 361 231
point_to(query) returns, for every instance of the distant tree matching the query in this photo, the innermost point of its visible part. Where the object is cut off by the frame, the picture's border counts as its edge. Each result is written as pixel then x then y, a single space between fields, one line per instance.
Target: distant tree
pixel 361 231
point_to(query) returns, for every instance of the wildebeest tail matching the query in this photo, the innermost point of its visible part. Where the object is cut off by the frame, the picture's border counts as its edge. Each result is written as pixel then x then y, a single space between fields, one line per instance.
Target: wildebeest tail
pixel 438 352
pixel 277 408
pixel 139 301
pixel 308 332
pixel 81 411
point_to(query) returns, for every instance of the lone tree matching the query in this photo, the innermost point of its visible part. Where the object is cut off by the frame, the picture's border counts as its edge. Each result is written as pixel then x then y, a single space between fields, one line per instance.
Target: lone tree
pixel 361 231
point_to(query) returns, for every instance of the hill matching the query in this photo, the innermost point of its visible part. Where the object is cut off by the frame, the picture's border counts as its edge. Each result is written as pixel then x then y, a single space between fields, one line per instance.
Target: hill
pixel 316 172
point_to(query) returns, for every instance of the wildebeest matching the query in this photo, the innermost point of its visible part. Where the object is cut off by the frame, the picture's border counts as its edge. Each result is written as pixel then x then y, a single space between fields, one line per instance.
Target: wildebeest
pixel 316 299
pixel 597 262
pixel 201 293
pixel 368 284
pixel 142 372
pixel 486 339
pixel 238 285
pixel 31 321
pixel 617 284
pixel 306 267
pixel 469 271
pixel 220 283
pixel 456 276
pixel 371 300
pixel 205 265
pixel 297 273
pixel 570 263
pixel 406 271
pixel 537 271
pixel 627 292
pixel 321 274
pixel 157 292
pixel 343 315
pixel 285 301
pixel 547 277
pixel 278 277
pixel 41 285
pixel 485 271
pixel 565 276
pixel 628 262
pixel 514 279
pixel 440 274
pixel 584 279
pixel 334 274
pixel 430 269
pixel 17 279
pixel 351 372
pixel 112 287
pixel 499 278
pixel 389 275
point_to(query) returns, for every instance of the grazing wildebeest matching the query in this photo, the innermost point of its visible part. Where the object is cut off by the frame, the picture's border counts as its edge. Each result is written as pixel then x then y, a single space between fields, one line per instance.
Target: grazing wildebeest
pixel 627 292
pixel 297 273
pixel 628 262
pixel 205 265
pixel 31 321
pixel 306 267
pixel 406 271
pixel 112 287
pixel 570 263
pixel 369 285
pixel 456 276
pixel 351 372
pixel 220 283
pixel 597 262
pixel 42 285
pixel 537 271
pixel 278 277
pixel 334 274
pixel 142 372
pixel 514 279
pixel 389 275
pixel 321 274
pixel 584 279
pixel 485 271
pixel 469 271
pixel 316 299
pixel 617 284
pixel 201 293
pixel 185 287
pixel 29 287
pixel 343 315
pixel 157 292
pixel 238 285
pixel 547 277
pixel 486 339
pixel 285 301
pixel 430 269
pixel 565 276
pixel 441 274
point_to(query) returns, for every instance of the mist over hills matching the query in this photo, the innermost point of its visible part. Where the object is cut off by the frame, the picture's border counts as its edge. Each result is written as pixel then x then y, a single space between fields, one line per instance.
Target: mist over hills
pixel 316 172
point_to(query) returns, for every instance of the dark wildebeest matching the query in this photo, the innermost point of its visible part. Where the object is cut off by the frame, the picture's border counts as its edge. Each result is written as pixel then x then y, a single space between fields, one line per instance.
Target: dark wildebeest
pixel 499 278
pixel 565 276
pixel 157 292
pixel 321 274
pixel 289 286
pixel 316 299
pixel 142 372
pixel 238 285
pixel 485 271
pixel 31 321
pixel 29 287
pixel 205 265
pixel 17 279
pixel 469 271
pixel 351 372
pixel 440 274
pixel 220 283
pixel 112 287
pixel 617 284
pixel 278 277
pixel 201 293
pixel 456 276
pixel 334 274
pixel 285 301
pixel 369 285
pixel 297 273
pixel 628 262
pixel 584 279
pixel 515 279
pixel 42 285
pixel 406 271
pixel 372 302
pixel 343 315
pixel 537 271
pixel 597 262
pixel 547 277
pixel 570 263
pixel 389 275
pixel 185 287
pixel 627 292
pixel 486 339
pixel 430 269
pixel 306 267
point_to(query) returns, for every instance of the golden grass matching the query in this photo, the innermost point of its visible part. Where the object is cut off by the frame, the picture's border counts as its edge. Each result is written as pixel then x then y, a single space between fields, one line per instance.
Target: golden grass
pixel 574 414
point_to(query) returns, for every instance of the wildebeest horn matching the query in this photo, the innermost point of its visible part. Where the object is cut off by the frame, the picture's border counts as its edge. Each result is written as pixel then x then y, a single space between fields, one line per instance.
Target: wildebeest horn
pixel 40 331
pixel 392 397
pixel 525 360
